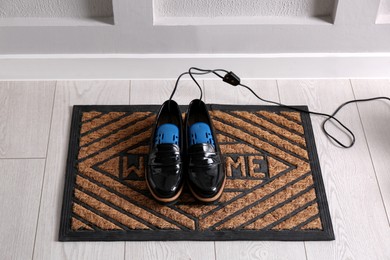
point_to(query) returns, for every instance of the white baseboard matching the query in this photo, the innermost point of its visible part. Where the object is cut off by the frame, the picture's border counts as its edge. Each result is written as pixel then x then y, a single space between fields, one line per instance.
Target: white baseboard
pixel 164 66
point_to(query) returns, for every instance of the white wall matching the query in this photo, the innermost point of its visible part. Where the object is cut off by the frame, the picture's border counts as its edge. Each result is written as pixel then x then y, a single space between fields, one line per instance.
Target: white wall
pixel 207 8
pixel 280 40
pixel 384 12
pixel 58 8
pixel 384 7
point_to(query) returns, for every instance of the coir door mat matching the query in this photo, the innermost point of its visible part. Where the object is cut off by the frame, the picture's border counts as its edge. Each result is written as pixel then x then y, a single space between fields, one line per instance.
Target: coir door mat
pixel 274 188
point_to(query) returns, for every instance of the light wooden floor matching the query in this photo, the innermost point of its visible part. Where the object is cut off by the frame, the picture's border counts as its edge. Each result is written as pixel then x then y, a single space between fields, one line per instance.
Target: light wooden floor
pixel 34 129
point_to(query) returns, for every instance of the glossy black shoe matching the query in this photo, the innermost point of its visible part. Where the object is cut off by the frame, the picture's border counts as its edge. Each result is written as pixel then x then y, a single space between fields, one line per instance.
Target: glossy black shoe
pixel 206 177
pixel 164 174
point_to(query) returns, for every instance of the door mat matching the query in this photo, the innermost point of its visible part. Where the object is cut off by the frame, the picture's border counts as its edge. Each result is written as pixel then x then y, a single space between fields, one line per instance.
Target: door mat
pixel 274 188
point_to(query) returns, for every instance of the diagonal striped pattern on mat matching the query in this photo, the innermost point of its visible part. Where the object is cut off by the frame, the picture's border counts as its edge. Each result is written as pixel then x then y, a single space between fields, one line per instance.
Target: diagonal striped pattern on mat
pixel 269 186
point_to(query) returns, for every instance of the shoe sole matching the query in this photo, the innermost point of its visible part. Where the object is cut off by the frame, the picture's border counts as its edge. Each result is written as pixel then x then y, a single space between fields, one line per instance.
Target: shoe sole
pixel 212 199
pixel 165 200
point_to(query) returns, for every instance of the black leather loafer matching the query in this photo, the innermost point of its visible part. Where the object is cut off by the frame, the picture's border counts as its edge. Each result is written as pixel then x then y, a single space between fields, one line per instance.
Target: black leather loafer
pixel 164 174
pixel 206 177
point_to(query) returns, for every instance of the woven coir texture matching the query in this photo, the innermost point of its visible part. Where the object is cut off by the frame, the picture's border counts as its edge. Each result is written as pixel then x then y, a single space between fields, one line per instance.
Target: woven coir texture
pixel 274 188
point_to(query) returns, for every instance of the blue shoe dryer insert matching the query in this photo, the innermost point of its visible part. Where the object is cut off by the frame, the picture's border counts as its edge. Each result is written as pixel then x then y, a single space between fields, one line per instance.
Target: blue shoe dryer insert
pixel 201 133
pixel 167 134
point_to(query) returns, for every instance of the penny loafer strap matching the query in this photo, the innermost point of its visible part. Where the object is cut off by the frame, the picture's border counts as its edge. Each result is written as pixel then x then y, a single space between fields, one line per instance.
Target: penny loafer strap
pixel 164 158
pixel 204 159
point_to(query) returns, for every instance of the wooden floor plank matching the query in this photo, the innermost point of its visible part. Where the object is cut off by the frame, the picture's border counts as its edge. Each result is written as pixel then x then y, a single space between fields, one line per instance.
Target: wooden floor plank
pixel 170 250
pixel 219 92
pixel 375 117
pixel 25 113
pixel 358 216
pixel 156 92
pixel 67 95
pixel 20 194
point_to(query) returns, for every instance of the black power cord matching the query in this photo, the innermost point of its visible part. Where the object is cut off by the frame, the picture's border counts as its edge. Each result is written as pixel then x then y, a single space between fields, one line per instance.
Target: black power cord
pixel 234 80
pixel 200 72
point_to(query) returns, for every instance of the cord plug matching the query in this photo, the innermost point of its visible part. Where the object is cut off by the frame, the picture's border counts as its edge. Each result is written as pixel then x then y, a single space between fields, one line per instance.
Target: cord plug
pixel 231 78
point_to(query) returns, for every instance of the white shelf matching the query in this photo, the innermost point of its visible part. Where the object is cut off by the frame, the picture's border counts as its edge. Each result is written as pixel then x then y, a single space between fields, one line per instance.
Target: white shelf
pixel 255 20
